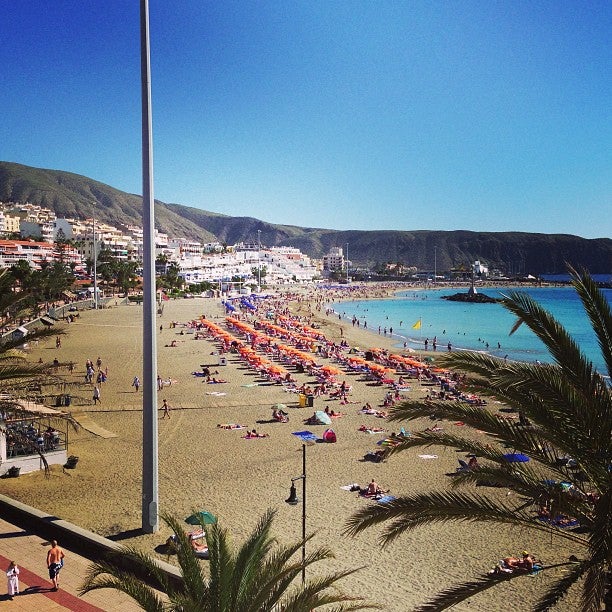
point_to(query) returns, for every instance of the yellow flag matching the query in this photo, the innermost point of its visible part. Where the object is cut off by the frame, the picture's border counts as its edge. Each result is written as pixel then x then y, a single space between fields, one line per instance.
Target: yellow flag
pixel 417 325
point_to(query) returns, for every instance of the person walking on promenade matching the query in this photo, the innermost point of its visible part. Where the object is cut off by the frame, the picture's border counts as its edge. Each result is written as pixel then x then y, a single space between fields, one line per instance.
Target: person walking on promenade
pixel 166 409
pixel 55 562
pixel 12 578
pixel 136 383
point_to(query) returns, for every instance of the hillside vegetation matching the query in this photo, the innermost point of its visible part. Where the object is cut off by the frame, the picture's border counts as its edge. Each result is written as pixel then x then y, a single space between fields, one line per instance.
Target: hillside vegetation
pixel 72 195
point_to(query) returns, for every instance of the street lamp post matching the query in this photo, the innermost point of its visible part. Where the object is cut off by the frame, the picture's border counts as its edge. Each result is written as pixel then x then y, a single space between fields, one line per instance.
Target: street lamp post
pixel 293 501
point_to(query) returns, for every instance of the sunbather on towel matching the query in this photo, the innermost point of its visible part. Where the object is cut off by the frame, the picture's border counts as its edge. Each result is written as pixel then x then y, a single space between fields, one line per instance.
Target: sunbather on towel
pixel 254 434
pixel 510 565
pixel 231 426
pixel 371 429
pixel 201 550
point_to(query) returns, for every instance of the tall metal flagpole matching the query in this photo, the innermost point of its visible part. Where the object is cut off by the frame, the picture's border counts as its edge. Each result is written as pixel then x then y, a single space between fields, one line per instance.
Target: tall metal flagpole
pixel 150 501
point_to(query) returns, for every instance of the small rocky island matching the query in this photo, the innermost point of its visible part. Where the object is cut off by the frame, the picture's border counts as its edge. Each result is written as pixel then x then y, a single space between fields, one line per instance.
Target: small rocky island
pixel 472 296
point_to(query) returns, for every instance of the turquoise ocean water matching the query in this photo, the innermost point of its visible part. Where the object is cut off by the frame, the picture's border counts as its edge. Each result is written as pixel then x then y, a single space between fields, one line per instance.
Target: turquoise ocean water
pixel 472 326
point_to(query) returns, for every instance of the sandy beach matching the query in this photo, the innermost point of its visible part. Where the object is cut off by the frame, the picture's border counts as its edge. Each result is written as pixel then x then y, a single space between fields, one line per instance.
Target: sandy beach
pixel 202 466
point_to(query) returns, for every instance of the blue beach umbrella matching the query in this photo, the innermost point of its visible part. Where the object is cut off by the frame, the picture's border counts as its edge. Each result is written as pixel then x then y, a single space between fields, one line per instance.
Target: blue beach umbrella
pixel 516 458
pixel 203 517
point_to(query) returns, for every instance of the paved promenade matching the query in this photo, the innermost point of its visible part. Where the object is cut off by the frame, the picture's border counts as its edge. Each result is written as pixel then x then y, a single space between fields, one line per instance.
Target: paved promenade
pixel 29 551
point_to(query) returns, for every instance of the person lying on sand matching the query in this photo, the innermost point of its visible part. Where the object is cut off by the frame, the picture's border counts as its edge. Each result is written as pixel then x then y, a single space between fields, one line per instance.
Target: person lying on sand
pixel 201 550
pixel 376 456
pixel 253 434
pixel 367 409
pixel 215 381
pixel 231 426
pixel 371 429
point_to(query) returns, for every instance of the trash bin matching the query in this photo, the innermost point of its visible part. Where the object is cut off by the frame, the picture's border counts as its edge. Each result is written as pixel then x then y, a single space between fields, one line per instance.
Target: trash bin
pixel 222 360
pixel 310 401
pixel 59 401
pixel 67 400
pixel 302 398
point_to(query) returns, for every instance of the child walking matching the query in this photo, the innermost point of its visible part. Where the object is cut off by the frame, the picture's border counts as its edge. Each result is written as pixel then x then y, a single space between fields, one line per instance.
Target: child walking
pixel 12 576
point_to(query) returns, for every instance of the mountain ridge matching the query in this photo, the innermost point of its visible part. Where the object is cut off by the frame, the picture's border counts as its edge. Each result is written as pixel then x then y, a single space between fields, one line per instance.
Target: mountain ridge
pixel 73 195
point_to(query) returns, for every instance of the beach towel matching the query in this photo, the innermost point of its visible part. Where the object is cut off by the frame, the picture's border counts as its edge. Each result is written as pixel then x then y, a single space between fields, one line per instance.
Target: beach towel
pixel 306 436
pixel 215 393
pixel 428 456
pixel 386 499
pixel 561 523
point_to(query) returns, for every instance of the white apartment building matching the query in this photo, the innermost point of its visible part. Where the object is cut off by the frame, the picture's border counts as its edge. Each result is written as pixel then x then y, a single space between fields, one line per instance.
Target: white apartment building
pixel 35 253
pixel 9 224
pixel 334 260
pixel 210 262
pixel 282 265
pixel 480 269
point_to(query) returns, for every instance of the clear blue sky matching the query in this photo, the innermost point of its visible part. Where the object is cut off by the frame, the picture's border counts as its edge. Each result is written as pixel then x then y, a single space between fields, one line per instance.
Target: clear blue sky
pixel 491 116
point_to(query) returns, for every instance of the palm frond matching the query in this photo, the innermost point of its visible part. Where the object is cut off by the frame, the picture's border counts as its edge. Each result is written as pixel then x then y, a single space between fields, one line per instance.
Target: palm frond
pixel 598 310
pixel 409 512
pixel 191 571
pixel 277 573
pixel 595 586
pixel 248 560
pixel 560 588
pixel 106 575
pixel 456 594
pixel 316 593
pixel 562 347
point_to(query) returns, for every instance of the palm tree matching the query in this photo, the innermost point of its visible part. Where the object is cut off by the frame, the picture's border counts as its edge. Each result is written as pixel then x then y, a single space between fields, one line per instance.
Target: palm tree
pixel 256 578
pixel 566 412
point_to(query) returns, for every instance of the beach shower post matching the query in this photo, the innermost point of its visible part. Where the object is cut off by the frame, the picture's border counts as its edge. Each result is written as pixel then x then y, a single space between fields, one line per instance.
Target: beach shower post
pixel 293 500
